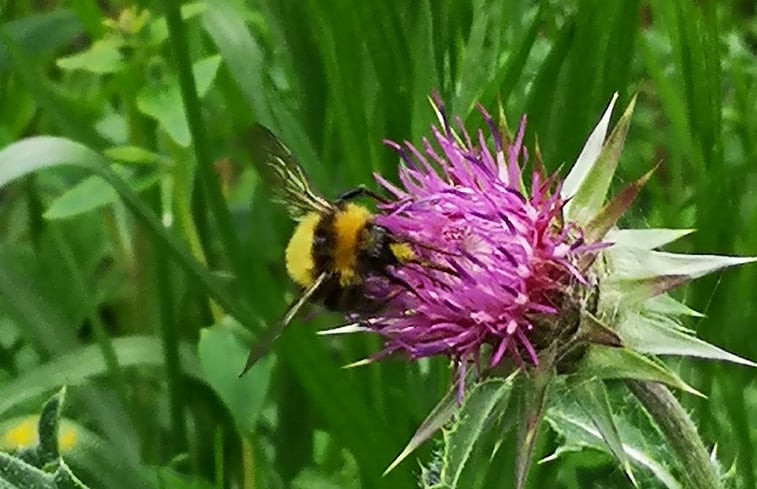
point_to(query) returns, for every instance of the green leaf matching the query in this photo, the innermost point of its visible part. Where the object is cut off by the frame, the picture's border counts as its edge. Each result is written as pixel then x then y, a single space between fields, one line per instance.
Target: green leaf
pixel 680 433
pixel 470 422
pixel 579 432
pixel 442 412
pixel 158 29
pixel 90 452
pixel 78 366
pixel 661 336
pixel 65 479
pixel 221 353
pixel 162 100
pixel 592 397
pixel 132 155
pixel 47 428
pixel 204 72
pixel 646 239
pixel 51 470
pixel 17 474
pixel 70 116
pixel 93 193
pixel 604 362
pixel 102 57
pixel 534 394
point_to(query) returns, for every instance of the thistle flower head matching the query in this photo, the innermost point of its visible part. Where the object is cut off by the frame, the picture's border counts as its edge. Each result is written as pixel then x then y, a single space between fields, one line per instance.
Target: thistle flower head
pixel 512 266
pixel 515 266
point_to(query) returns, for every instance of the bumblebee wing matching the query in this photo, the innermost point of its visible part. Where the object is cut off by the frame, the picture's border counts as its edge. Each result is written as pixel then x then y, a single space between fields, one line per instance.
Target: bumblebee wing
pixel 281 170
pixel 263 344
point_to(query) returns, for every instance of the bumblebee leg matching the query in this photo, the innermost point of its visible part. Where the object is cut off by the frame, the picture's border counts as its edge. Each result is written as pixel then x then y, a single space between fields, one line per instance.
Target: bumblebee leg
pixel 359 192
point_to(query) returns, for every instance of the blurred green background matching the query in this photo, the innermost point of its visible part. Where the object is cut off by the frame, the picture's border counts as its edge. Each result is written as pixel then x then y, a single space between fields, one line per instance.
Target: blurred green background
pixel 124 298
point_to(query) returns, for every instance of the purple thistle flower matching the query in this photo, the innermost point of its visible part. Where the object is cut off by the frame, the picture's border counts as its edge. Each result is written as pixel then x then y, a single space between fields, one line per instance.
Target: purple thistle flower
pixel 516 265
pixel 515 268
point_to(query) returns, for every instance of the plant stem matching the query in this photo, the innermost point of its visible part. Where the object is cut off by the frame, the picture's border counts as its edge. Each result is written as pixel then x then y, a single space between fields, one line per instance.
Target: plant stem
pixel 218 457
pixel 678 429
pixel 248 464
pixel 170 337
pixel 79 289
pixel 208 180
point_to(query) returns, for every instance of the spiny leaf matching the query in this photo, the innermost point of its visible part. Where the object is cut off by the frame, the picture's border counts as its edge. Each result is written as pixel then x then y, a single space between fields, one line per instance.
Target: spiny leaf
pixel 659 336
pixel 579 433
pixel 438 416
pixel 592 397
pixel 636 263
pixel 65 479
pixel 17 474
pixel 533 402
pixel 587 158
pixel 591 193
pixel 646 239
pixel 665 304
pixel 598 227
pixel 604 362
pixel 47 427
pixel 471 420
pixel 41 467
pixel 631 291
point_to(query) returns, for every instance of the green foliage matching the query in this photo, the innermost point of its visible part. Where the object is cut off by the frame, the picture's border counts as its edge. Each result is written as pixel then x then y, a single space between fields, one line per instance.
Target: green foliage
pixel 41 466
pixel 134 229
pixel 484 402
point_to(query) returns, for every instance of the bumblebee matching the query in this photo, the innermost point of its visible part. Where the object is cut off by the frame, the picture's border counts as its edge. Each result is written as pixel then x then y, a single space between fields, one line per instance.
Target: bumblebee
pixel 335 245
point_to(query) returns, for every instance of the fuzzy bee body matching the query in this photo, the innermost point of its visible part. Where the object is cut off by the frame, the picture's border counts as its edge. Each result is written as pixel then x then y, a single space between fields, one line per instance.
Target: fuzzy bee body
pixel 349 247
pixel 335 245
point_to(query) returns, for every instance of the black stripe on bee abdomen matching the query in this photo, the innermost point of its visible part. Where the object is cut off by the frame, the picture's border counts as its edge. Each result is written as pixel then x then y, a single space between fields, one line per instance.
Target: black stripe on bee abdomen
pixel 323 244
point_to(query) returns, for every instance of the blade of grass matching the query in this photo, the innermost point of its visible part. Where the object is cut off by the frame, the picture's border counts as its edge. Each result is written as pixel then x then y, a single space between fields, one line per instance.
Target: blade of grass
pixel 82 363
pixel 208 179
pixel 79 289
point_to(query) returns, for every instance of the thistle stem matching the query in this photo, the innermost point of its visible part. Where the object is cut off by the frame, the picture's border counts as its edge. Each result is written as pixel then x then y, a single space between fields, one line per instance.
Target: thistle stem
pixel 678 429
